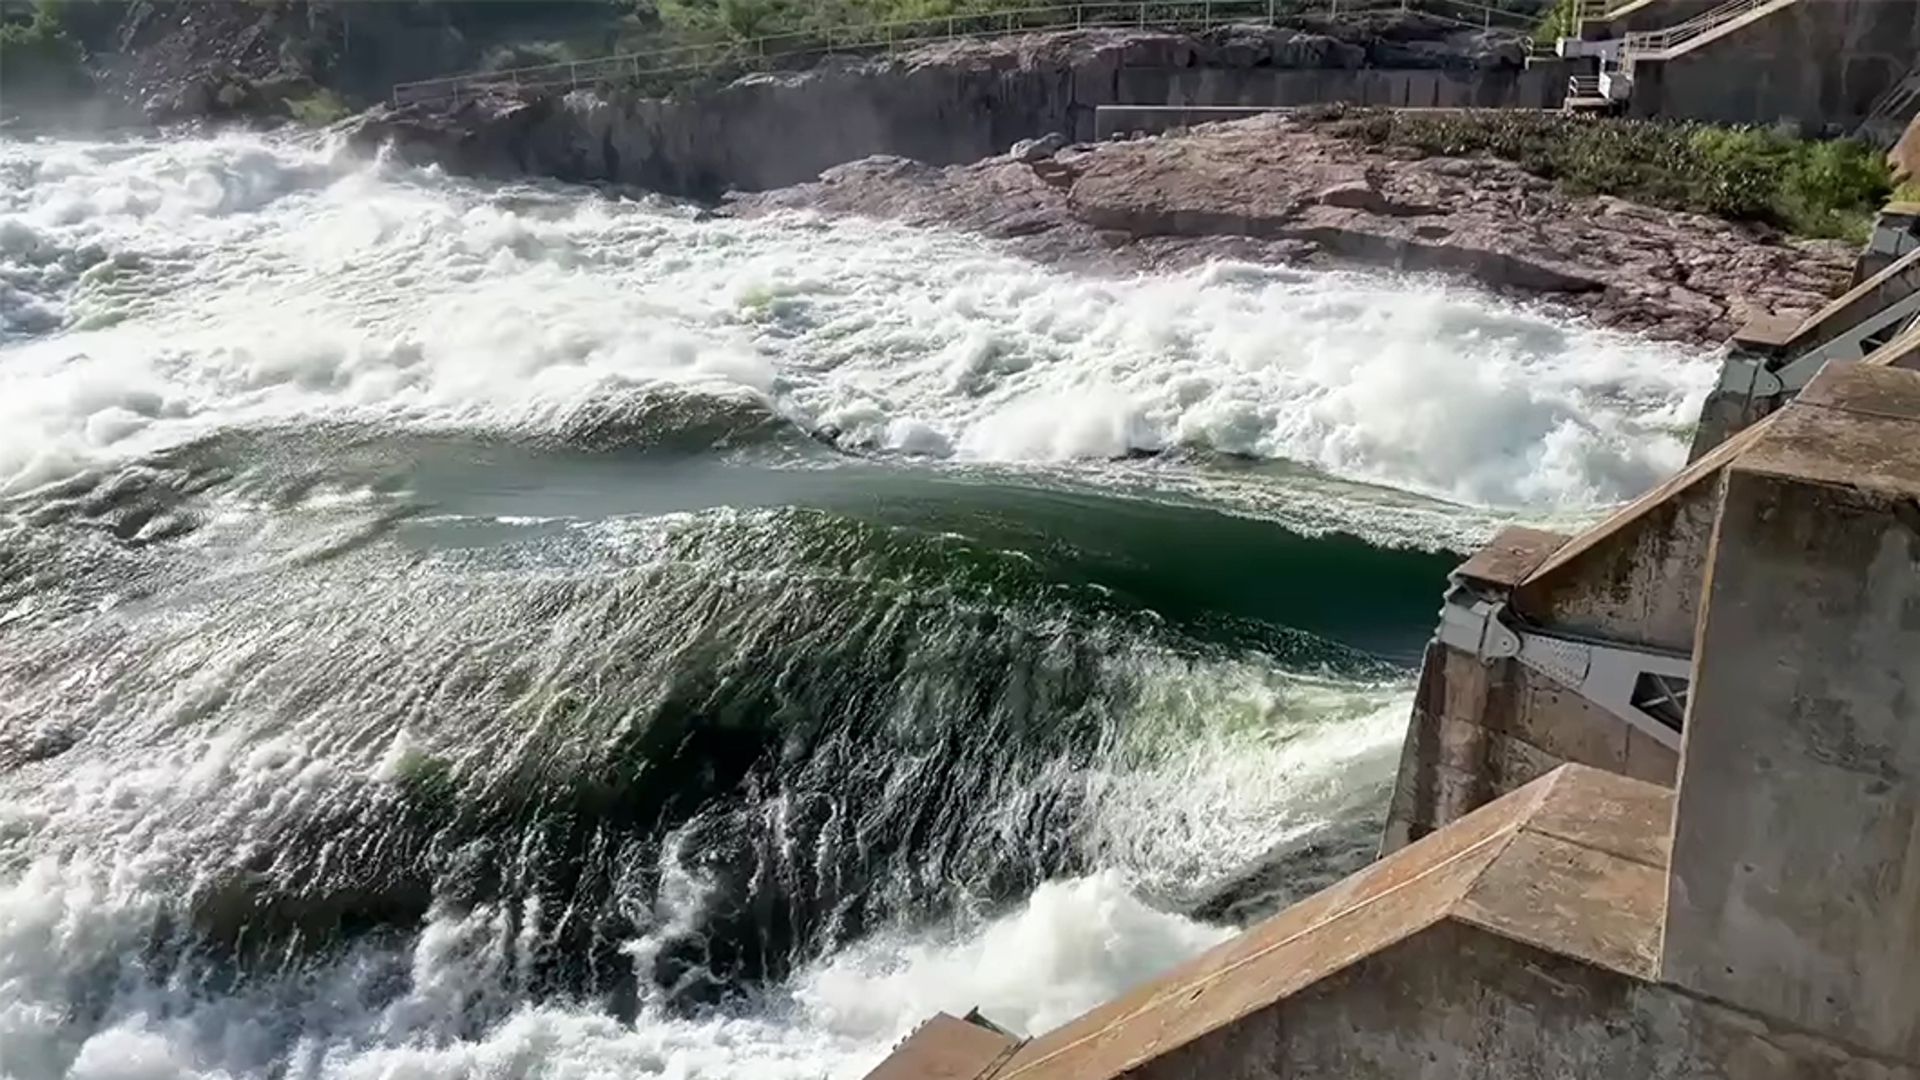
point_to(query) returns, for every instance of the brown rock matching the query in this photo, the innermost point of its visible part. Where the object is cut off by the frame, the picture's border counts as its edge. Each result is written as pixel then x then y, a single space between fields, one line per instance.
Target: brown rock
pixel 1281 187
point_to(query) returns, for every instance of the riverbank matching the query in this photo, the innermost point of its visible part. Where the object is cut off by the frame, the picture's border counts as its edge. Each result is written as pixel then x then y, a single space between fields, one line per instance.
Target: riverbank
pixel 1288 188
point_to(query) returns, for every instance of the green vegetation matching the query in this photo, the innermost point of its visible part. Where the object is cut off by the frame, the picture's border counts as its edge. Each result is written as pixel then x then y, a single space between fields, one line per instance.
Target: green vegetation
pixel 39 61
pixel 318 109
pixel 1555 23
pixel 808 24
pixel 1818 188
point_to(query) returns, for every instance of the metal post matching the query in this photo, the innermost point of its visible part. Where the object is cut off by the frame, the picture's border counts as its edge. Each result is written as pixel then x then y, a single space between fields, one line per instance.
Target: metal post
pixel 1143 15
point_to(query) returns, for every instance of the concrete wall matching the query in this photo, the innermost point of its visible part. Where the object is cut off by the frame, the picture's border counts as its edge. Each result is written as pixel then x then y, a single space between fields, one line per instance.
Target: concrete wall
pixel 1455 1002
pixel 1796 864
pixel 772 132
pixel 1539 87
pixel 1817 63
pixel 1481 731
pixel 1645 15
pixel 1638 585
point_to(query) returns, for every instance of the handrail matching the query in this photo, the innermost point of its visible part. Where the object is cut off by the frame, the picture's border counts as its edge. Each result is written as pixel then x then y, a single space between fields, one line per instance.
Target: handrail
pixel 1892 112
pixel 1672 37
pixel 758 51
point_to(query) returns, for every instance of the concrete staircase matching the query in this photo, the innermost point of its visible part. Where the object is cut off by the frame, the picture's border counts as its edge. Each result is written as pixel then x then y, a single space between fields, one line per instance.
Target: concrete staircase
pixel 1677 41
pixel 1612 85
pixel 1893 112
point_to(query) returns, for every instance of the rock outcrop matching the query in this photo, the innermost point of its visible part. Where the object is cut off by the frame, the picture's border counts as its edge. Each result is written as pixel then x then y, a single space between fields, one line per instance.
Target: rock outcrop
pixel 951 103
pixel 1284 188
pixel 914 136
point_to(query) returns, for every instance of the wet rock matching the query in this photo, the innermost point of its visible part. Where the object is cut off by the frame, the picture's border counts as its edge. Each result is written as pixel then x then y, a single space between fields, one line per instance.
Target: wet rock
pixel 1040 149
pixel 1355 195
pixel 1286 188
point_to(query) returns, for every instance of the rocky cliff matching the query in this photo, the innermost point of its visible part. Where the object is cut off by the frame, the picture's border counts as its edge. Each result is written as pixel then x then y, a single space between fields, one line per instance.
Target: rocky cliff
pixel 162 61
pixel 1288 189
pixel 950 103
pixel 922 137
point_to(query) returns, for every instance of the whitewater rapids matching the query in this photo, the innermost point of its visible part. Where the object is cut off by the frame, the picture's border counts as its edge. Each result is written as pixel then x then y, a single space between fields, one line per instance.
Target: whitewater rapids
pixel 455 630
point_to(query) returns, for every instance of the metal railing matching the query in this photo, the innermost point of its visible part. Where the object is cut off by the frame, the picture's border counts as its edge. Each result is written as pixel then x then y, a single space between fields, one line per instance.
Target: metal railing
pixel 1583 86
pixel 1655 44
pixel 1892 112
pixel 768 50
pixel 1582 12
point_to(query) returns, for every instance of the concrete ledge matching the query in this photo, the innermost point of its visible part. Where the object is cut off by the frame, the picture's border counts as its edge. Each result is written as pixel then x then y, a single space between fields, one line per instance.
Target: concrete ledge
pixel 946 1048
pixel 1511 555
pixel 1767 335
pixel 1556 866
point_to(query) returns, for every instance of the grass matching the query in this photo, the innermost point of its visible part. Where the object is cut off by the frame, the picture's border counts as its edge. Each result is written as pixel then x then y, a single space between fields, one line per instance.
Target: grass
pixel 1816 188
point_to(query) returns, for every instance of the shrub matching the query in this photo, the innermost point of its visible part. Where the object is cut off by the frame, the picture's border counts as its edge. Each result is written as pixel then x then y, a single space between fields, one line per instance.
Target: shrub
pixel 1556 23
pixel 39 63
pixel 1820 188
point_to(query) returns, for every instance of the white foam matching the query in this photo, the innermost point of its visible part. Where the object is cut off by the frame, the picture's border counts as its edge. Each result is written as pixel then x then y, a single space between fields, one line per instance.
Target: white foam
pixel 1230 763
pixel 211 283
pixel 1073 945
pixel 254 281
pixel 1219 762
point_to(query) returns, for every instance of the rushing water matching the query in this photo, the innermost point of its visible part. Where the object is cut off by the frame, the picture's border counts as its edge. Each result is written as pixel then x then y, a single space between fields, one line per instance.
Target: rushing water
pixel 452 630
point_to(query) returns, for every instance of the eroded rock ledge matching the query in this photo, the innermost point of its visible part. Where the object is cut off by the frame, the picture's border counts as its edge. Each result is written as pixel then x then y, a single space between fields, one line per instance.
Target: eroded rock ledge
pixel 1284 188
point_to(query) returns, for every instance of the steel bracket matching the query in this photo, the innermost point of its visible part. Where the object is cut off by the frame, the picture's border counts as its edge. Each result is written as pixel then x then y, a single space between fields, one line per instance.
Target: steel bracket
pixel 1645 687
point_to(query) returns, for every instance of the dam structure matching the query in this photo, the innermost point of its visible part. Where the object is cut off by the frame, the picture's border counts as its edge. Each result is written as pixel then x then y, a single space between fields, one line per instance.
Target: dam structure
pixel 1824 66
pixel 1657 805
pixel 1658 801
pixel 1656 813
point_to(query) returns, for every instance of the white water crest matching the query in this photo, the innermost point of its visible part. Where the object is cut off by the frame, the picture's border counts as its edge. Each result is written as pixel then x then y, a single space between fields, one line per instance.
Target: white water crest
pixel 229 281
pixel 152 293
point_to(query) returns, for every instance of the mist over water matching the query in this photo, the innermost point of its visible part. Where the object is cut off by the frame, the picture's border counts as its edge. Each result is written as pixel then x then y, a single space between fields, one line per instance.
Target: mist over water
pixel 474 630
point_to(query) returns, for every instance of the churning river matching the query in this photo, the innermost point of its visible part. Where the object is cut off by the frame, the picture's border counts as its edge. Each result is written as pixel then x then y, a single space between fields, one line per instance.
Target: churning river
pixel 466 630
